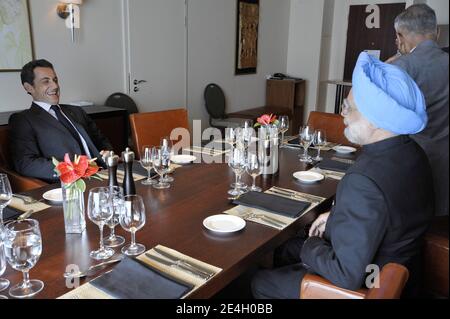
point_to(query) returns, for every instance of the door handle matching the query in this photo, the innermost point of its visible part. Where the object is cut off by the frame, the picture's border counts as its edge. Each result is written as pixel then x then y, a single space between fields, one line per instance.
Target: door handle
pixel 136 89
pixel 136 82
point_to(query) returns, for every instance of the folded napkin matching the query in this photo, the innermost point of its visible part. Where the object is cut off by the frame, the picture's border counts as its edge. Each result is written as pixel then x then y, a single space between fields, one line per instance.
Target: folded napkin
pixel 272 203
pixel 331 165
pixel 10 213
pixel 133 279
pixel 18 205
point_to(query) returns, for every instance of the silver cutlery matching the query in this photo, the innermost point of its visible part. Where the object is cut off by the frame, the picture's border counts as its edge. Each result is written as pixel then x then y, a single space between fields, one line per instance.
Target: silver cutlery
pixel 264 218
pixel 200 269
pixel 27 200
pixel 177 265
pixel 92 269
pixel 294 194
pixel 343 160
pixel 25 215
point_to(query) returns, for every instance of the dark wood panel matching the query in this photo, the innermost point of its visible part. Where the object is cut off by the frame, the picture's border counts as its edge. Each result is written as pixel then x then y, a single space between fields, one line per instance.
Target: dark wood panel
pixel 360 38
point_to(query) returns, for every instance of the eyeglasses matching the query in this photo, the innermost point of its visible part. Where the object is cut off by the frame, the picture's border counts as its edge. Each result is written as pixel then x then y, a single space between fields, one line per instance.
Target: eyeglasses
pixel 345 108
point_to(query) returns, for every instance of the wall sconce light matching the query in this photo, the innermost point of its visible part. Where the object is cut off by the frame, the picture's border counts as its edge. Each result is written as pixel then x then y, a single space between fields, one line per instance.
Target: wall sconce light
pixel 70 11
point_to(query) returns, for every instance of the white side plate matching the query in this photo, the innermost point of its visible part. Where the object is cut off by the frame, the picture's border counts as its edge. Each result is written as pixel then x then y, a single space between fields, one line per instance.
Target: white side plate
pixel 224 223
pixel 182 159
pixel 54 195
pixel 308 177
pixel 344 149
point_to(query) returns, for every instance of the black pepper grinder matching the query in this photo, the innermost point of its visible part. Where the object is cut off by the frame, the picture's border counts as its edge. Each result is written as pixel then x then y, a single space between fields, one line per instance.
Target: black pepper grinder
pixel 128 181
pixel 112 161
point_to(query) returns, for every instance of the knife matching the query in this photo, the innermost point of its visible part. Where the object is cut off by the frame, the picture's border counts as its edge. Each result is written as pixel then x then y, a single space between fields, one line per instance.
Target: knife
pixel 200 269
pixel 177 265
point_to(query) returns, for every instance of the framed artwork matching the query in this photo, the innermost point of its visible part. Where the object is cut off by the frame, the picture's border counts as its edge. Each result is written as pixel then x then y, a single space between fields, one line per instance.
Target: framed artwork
pixel 247 36
pixel 16 48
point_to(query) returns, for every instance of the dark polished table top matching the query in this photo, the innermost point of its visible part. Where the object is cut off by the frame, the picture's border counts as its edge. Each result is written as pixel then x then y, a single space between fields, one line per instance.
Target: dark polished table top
pixel 174 219
pixel 91 110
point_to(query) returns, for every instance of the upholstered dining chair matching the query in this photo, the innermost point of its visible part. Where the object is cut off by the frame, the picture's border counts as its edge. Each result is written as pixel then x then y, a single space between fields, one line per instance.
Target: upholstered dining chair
pixel 393 278
pixel 332 124
pixel 148 128
pixel 18 182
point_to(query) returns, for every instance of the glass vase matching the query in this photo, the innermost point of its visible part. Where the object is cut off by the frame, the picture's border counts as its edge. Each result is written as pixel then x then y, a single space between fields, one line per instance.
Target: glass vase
pixel 73 205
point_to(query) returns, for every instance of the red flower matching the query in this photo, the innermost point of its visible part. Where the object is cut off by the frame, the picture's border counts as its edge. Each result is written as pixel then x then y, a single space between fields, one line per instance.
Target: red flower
pixel 69 172
pixel 266 119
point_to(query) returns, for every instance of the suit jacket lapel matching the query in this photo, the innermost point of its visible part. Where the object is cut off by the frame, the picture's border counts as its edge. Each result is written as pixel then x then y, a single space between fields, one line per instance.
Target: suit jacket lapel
pixel 49 119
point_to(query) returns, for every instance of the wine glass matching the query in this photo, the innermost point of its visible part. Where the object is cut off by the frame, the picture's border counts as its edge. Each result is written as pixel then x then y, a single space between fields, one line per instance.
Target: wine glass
pixel 4 283
pixel 99 212
pixel 306 137
pixel 320 140
pixel 132 219
pixel 283 127
pixel 161 164
pixel 236 161
pixel 23 247
pixel 5 196
pixel 146 163
pixel 167 145
pixel 230 136
pixel 117 205
pixel 254 169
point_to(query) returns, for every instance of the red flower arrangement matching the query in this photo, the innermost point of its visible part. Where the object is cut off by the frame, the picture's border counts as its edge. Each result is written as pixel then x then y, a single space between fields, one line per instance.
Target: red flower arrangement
pixel 72 173
pixel 266 119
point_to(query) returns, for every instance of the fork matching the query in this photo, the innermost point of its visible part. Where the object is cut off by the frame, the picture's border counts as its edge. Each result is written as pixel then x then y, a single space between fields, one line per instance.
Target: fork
pixel 27 200
pixel 267 219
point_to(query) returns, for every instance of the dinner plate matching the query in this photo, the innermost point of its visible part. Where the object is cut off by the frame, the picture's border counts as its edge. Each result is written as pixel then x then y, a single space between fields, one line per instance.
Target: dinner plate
pixel 344 149
pixel 183 159
pixel 54 195
pixel 308 177
pixel 224 223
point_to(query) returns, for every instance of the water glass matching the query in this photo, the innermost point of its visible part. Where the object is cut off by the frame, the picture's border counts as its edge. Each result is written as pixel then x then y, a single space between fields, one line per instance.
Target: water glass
pixel 306 138
pixel 4 283
pixel 253 168
pixel 99 212
pixel 283 127
pixel 146 163
pixel 132 219
pixel 117 206
pixel 161 164
pixel 236 161
pixel 167 145
pixel 230 136
pixel 23 247
pixel 320 140
pixel 5 196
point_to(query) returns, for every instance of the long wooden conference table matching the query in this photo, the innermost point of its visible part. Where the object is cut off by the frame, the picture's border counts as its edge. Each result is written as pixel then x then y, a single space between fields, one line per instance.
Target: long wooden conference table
pixel 175 219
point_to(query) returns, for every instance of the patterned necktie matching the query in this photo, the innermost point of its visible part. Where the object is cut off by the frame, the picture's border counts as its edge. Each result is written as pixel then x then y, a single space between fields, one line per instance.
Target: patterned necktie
pixel 63 120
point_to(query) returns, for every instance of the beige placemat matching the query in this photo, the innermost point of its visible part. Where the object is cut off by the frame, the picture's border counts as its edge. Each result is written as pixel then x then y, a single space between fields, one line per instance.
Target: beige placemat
pixel 88 291
pixel 267 218
pixel 120 174
pixel 19 204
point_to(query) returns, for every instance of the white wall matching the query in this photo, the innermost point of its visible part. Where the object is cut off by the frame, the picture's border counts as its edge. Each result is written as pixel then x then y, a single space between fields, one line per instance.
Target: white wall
pixel 88 70
pixel 304 48
pixel 211 53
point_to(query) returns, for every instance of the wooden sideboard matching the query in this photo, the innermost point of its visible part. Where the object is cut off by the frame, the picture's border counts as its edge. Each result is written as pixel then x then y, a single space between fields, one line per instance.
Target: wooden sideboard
pixel 290 94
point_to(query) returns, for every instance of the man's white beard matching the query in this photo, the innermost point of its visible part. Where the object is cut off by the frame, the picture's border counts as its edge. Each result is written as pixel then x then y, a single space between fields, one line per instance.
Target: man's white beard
pixel 358 133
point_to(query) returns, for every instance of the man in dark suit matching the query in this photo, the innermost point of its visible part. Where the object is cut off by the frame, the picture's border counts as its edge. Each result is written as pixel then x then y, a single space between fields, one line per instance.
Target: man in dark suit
pixel 427 64
pixel 48 129
pixel 384 202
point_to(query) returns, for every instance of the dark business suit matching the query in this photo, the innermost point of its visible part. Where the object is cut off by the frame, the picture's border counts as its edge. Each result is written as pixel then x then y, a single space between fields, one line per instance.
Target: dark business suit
pixel 35 136
pixel 428 66
pixel 383 207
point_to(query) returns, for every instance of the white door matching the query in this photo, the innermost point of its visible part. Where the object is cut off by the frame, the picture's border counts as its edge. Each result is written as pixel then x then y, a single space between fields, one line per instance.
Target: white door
pixel 155 41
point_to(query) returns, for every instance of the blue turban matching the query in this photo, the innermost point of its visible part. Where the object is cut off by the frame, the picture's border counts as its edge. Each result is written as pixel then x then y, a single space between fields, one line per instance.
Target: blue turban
pixel 388 97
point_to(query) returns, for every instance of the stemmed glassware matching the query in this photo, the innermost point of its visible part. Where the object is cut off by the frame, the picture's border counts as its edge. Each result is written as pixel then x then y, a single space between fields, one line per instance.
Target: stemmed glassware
pixel 254 169
pixel 147 164
pixel 132 219
pixel 5 196
pixel 306 138
pixel 161 164
pixel 4 283
pixel 320 140
pixel 23 247
pixel 99 212
pixel 230 136
pixel 117 204
pixel 236 161
pixel 167 145
pixel 283 127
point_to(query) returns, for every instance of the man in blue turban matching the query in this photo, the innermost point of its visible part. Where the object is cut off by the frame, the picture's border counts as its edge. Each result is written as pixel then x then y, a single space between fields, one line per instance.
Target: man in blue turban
pixel 383 204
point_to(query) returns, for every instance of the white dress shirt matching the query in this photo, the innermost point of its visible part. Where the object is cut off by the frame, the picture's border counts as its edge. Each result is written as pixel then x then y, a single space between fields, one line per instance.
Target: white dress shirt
pixel 47 108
